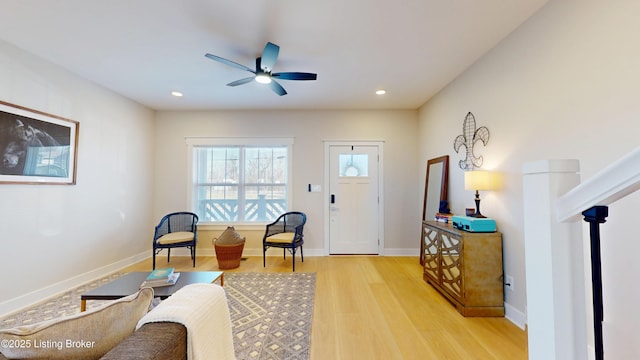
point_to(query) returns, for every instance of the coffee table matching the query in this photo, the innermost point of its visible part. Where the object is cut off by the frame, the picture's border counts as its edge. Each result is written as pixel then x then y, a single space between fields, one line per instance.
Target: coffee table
pixel 129 283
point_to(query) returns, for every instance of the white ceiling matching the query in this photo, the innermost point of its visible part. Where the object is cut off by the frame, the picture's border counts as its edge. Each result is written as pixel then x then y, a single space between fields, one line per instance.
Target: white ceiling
pixel 144 49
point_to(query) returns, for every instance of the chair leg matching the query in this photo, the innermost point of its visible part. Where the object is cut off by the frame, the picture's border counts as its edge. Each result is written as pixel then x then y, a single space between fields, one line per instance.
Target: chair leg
pixel 284 253
pixel 193 255
pixel 264 256
pixel 301 253
pixel 168 254
pixel 293 256
pixel 154 258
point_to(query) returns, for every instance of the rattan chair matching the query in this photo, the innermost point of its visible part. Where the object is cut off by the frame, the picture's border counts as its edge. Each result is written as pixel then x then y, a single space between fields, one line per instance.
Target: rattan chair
pixel 286 233
pixel 178 229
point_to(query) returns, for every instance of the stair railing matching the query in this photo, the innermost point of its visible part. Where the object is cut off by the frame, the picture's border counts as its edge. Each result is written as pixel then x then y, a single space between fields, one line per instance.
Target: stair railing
pixel 564 200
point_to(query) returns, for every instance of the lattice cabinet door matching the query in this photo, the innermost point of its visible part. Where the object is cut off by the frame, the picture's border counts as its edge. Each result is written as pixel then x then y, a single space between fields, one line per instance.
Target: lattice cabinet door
pixel 466 268
pixel 451 264
pixel 431 255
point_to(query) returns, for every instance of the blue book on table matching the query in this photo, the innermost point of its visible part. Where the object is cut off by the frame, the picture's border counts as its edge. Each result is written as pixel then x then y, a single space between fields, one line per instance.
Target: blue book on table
pixel 160 274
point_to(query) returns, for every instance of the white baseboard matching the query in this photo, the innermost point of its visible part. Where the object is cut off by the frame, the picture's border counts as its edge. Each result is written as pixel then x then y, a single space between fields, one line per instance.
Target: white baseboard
pixel 278 252
pixel 321 252
pixel 401 252
pixel 210 251
pixel 245 252
pixel 16 304
pixel 515 316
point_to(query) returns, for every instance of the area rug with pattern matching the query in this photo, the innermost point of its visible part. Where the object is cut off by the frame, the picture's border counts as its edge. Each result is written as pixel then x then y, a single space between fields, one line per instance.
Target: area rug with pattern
pixel 271 313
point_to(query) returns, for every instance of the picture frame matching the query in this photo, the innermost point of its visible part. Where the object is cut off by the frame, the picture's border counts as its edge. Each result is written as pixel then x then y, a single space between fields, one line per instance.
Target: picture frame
pixel 37 147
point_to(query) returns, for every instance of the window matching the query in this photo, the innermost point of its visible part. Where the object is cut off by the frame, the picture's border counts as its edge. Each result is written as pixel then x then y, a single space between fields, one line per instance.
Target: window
pixel 239 180
pixel 353 164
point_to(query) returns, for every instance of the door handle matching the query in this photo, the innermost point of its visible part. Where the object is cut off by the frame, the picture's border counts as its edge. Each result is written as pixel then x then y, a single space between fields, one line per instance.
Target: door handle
pixel 333 198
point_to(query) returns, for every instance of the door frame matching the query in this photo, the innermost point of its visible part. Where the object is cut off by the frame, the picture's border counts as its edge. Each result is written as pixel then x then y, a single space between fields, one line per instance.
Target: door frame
pixel 326 195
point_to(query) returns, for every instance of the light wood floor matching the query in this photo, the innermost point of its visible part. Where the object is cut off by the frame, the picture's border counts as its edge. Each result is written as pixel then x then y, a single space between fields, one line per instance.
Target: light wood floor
pixel 370 307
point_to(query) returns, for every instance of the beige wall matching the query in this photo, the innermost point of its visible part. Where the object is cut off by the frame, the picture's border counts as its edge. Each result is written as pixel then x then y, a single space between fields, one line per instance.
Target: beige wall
pixel 53 236
pixel 309 129
pixel 564 85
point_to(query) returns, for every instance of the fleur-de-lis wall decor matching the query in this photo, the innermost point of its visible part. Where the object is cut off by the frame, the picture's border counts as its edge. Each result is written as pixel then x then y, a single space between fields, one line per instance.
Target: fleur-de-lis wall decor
pixel 470 135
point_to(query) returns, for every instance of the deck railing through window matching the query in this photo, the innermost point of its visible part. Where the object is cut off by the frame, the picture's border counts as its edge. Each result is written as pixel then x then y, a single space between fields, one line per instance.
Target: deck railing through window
pixel 255 210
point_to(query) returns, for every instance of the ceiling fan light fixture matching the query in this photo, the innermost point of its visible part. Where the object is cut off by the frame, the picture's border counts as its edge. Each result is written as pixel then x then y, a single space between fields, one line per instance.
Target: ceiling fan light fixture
pixel 263 78
pixel 262 73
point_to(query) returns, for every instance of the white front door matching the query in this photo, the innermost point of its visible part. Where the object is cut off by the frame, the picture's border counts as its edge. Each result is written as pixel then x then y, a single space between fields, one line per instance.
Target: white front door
pixel 354 199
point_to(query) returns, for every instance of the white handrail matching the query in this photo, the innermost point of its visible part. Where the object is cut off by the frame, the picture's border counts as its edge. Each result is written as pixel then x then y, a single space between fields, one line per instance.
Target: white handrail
pixel 612 183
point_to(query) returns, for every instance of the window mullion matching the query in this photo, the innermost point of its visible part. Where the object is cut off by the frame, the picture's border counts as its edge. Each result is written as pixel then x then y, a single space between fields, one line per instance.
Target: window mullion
pixel 241 185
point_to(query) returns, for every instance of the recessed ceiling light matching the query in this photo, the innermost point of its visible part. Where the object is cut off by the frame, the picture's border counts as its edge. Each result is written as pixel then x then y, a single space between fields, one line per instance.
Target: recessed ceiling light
pixel 176 93
pixel 381 92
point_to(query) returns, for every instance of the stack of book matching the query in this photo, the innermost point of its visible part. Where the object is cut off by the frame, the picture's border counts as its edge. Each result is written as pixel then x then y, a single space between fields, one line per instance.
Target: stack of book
pixel 445 218
pixel 161 277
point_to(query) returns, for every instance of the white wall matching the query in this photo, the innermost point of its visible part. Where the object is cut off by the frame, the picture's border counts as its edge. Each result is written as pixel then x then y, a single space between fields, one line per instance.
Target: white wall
pixel 564 85
pixel 309 129
pixel 57 236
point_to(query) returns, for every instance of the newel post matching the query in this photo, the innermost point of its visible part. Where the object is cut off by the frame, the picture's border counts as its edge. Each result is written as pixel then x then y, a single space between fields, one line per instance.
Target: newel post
pixel 554 263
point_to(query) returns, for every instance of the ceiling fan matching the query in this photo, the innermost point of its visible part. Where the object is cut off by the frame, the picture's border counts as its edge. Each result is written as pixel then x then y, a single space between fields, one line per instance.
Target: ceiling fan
pixel 264 66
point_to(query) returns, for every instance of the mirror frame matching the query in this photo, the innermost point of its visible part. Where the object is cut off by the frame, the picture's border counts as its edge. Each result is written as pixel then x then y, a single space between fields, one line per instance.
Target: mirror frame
pixel 443 185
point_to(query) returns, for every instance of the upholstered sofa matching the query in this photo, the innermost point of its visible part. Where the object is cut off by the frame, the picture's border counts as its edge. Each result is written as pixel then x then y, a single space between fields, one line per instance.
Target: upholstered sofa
pixel 125 329
pixel 153 341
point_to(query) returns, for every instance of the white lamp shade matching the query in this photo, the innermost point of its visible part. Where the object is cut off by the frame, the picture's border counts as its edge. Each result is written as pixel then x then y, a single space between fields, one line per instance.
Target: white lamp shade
pixel 479 180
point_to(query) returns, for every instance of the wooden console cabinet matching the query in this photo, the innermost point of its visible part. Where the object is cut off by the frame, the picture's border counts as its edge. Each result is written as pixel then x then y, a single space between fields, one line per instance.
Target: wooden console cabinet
pixel 464 267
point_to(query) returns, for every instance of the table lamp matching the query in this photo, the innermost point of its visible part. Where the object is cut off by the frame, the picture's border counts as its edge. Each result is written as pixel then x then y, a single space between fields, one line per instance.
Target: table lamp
pixel 479 180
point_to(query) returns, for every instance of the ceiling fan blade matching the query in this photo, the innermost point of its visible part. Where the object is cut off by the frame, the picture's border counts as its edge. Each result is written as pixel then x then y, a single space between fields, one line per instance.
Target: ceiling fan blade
pixel 241 81
pixel 229 62
pixel 277 88
pixel 295 76
pixel 269 56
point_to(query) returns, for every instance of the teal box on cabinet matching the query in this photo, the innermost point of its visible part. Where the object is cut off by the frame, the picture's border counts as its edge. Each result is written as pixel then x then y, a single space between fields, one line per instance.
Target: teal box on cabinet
pixel 473 224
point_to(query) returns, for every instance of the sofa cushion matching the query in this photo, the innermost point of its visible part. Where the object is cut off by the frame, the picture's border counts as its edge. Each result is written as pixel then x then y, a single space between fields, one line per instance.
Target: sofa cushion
pixel 86 335
pixel 229 237
pixel 175 237
pixel 153 341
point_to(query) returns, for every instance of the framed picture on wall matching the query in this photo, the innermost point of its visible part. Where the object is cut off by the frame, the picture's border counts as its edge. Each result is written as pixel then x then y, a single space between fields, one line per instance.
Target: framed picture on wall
pixel 37 148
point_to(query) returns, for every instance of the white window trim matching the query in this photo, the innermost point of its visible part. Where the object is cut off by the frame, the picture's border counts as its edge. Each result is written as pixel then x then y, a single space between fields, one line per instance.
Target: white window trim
pixel 233 141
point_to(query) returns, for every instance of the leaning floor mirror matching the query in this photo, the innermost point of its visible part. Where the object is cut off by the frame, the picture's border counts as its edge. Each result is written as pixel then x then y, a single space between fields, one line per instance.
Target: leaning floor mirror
pixel 435 191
